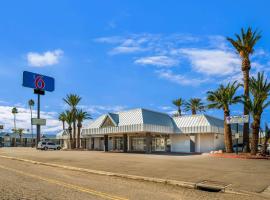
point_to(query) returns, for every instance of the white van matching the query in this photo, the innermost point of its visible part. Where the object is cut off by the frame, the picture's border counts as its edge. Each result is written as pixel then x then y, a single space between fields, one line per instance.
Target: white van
pixel 48 145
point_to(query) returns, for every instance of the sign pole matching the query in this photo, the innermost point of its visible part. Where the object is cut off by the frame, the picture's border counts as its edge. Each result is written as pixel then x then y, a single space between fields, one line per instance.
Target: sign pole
pixel 38 116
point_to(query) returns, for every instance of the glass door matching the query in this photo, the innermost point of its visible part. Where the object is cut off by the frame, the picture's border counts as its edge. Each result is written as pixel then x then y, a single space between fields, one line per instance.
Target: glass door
pixel 158 144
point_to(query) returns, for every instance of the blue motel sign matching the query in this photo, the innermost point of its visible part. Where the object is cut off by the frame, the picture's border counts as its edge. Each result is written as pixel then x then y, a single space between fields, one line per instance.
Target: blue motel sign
pixel 38 81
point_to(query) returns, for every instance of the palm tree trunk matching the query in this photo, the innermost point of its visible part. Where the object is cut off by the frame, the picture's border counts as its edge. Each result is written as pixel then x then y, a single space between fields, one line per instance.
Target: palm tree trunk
pixel 179 111
pixel 70 136
pixel 227 134
pixel 14 122
pixel 255 135
pixel 193 111
pixel 78 136
pixel 74 134
pixel 63 123
pixel 245 70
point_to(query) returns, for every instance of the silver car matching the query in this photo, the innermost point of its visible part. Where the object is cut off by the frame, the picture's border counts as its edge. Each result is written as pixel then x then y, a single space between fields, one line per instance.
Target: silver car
pixel 48 145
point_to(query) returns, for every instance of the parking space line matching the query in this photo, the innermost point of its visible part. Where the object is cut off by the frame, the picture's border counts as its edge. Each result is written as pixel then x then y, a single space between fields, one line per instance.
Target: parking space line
pixel 67 185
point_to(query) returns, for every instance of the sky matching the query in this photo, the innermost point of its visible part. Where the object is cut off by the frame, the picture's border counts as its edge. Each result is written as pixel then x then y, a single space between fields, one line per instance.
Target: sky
pixel 121 55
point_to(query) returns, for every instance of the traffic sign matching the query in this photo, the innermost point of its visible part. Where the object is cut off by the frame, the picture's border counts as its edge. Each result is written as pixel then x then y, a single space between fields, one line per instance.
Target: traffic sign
pixel 37 121
pixel 239 119
pixel 38 81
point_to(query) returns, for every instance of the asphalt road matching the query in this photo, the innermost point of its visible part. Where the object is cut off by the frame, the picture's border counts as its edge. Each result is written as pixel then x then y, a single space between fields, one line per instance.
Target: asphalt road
pixel 20 180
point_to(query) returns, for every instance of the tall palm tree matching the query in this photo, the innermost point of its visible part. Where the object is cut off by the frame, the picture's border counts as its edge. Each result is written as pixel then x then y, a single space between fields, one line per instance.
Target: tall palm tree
pixel 244 45
pixel 222 98
pixel 62 117
pixel 31 103
pixel 260 90
pixel 194 105
pixel 178 103
pixel 73 100
pixel 69 120
pixel 14 112
pixel 81 116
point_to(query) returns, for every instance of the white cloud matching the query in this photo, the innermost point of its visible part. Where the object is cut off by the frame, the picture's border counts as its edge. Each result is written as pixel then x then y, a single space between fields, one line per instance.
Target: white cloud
pixel 212 61
pixel 162 61
pixel 200 56
pixel 125 49
pixel 180 79
pixel 23 119
pixel 44 59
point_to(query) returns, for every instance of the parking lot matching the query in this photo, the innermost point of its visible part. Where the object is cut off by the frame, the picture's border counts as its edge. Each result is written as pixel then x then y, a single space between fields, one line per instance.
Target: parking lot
pixel 191 168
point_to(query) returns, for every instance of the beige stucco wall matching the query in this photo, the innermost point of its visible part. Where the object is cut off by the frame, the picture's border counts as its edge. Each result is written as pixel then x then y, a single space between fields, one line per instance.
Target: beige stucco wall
pixel 180 143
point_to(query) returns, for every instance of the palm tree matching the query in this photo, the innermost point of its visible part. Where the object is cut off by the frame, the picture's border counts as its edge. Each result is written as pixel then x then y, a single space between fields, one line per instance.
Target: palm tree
pixel 20 133
pixel 244 45
pixel 62 117
pixel 81 116
pixel 31 103
pixel 14 112
pixel 222 98
pixel 194 105
pixel 260 90
pixel 178 103
pixel 69 120
pixel 73 100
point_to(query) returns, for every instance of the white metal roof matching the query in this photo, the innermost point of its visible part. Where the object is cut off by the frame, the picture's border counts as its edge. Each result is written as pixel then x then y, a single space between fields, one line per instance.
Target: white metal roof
pixel 142 120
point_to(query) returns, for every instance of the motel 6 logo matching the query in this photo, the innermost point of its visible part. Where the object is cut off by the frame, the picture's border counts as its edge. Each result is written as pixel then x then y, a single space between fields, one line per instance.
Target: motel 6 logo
pixel 39 82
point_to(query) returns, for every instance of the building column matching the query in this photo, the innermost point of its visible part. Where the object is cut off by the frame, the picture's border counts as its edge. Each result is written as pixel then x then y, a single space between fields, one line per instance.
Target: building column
pixel 106 146
pixel 125 143
pixel 148 140
pixel 92 143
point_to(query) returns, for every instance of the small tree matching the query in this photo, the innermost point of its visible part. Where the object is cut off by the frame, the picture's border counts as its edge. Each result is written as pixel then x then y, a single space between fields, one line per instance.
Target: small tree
pixel 222 98
pixel 73 100
pixel 81 116
pixel 69 120
pixel 260 90
pixel 62 117
pixel 178 103
pixel 20 133
pixel 194 105
pixel 14 112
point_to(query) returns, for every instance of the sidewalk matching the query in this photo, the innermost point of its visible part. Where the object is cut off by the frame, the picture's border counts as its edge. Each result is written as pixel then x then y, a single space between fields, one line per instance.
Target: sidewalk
pixel 240 174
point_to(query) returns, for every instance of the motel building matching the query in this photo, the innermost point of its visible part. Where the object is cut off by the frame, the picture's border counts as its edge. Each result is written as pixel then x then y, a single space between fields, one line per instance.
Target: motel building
pixel 143 130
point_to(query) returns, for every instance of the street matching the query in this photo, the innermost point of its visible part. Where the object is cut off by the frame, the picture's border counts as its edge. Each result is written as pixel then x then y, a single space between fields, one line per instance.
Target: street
pixel 20 180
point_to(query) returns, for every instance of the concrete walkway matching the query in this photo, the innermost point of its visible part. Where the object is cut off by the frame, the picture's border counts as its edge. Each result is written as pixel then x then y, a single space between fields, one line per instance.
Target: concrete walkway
pixel 240 174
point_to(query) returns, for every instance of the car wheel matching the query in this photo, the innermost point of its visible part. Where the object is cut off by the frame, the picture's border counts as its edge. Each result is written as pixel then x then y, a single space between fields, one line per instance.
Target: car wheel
pixel 45 148
pixel 58 148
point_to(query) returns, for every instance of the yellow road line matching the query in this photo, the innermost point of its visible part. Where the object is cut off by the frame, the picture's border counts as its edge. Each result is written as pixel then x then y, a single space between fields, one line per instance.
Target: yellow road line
pixel 67 185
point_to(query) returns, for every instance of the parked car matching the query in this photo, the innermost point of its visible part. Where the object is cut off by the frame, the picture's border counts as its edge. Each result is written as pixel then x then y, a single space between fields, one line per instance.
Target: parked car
pixel 48 145
pixel 260 146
